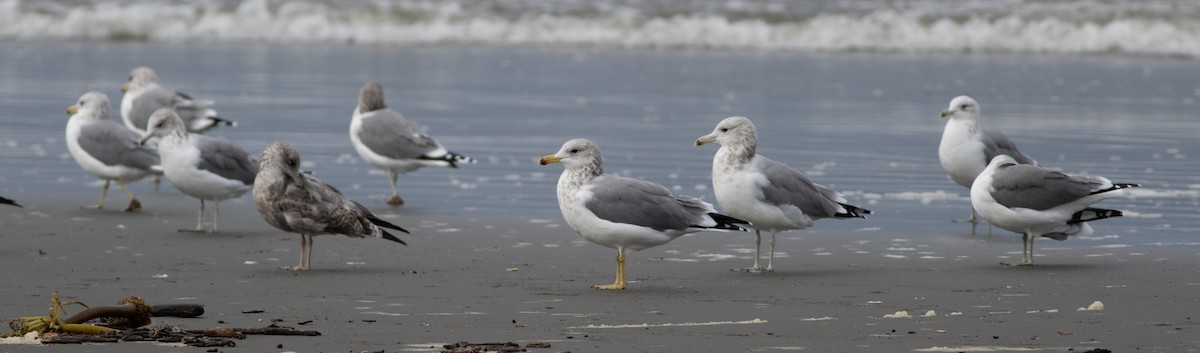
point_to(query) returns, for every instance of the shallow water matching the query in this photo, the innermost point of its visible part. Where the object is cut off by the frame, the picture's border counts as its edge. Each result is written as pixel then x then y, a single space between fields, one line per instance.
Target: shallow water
pixel 867 125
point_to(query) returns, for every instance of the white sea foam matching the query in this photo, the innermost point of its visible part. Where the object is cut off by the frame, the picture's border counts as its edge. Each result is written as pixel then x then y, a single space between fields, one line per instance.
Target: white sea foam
pixel 1149 27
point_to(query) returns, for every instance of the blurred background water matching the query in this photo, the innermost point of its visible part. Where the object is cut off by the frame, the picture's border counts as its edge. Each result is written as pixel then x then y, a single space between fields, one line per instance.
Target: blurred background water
pixel 860 118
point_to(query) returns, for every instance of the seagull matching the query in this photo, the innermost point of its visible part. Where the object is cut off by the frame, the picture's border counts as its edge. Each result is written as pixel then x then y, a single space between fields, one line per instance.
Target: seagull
pixel 299 203
pixel 107 149
pixel 966 148
pixel 1034 201
pixel 771 195
pixel 8 201
pixel 203 167
pixel 389 141
pixel 624 213
pixel 144 95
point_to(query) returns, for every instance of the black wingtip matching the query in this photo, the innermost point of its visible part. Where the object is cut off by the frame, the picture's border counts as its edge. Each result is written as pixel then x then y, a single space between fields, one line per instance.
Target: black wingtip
pixel 1091 214
pixel 386 224
pixel 852 212
pixel 9 202
pixel 727 223
pixel 1116 187
pixel 391 237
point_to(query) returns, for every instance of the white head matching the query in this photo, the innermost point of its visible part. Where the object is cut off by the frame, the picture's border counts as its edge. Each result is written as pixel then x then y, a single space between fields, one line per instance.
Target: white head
pixel 962 107
pixel 138 78
pixel 577 153
pixel 162 123
pixel 91 105
pixel 735 133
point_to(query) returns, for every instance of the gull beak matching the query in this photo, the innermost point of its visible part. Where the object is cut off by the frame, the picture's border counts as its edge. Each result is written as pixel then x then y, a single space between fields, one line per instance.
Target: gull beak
pixel 125 87
pixel 547 159
pixel 72 109
pixel 710 138
pixel 142 142
pixel 947 113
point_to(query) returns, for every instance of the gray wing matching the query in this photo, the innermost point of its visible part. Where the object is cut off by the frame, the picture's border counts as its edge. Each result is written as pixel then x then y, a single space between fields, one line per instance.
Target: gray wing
pixel 642 203
pixel 150 100
pixel 996 143
pixel 113 144
pixel 156 97
pixel 787 186
pixel 226 159
pixel 1033 187
pixel 389 134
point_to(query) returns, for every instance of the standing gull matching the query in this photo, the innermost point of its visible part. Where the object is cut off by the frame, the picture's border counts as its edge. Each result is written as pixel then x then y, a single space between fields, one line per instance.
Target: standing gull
pixel 1034 201
pixel 389 141
pixel 769 194
pixel 106 149
pixel 967 148
pixel 624 213
pixel 298 203
pixel 203 167
pixel 144 95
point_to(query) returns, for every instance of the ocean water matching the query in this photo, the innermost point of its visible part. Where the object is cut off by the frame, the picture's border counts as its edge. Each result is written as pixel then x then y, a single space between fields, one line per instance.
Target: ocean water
pixel 1144 27
pixel 847 91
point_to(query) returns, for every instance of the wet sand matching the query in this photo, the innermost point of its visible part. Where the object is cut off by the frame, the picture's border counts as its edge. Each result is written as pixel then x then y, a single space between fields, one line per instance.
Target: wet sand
pixel 527 280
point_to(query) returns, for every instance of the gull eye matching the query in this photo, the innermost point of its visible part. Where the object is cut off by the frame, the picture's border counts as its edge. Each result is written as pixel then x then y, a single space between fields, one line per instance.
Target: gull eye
pixel 724 129
pixel 574 150
pixel 965 106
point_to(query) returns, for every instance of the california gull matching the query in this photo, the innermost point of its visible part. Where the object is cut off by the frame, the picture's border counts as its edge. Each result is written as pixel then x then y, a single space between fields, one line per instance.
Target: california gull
pixel 203 167
pixel 771 195
pixel 624 213
pixel 389 141
pixel 144 95
pixel 107 149
pixel 967 148
pixel 1037 201
pixel 298 203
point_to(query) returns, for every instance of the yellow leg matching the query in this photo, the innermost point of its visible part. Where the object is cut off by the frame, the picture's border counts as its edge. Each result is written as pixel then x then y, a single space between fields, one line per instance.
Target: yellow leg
pixel 103 194
pixel 620 282
pixel 134 205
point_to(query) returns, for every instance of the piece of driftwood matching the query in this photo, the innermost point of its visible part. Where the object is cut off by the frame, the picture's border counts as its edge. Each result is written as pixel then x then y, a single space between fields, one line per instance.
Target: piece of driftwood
pixel 464 347
pixel 77 339
pixel 177 310
pixel 269 330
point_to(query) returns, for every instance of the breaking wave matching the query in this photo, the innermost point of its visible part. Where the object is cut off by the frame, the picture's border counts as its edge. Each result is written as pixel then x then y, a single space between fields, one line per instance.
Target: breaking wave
pixel 1148 27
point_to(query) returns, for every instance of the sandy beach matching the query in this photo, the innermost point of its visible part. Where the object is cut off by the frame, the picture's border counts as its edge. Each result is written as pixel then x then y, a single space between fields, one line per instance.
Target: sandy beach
pixel 847 91
pixel 484 280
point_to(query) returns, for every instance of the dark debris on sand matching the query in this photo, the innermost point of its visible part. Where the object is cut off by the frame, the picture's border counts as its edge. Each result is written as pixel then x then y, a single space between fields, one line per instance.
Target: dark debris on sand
pixel 506 347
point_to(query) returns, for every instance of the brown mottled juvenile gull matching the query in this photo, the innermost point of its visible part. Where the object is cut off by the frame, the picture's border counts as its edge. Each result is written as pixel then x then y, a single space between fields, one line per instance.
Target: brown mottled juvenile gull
pixel 1037 201
pixel 299 203
pixel 625 213
pixel 966 148
pixel 106 149
pixel 144 95
pixel 389 141
pixel 203 167
pixel 771 195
